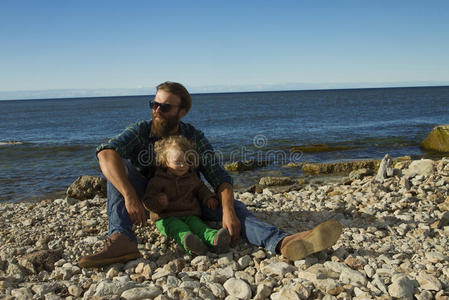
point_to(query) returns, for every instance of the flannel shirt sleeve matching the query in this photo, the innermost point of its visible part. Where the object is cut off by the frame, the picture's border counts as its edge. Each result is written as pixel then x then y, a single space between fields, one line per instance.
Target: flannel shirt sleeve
pixel 128 143
pixel 210 164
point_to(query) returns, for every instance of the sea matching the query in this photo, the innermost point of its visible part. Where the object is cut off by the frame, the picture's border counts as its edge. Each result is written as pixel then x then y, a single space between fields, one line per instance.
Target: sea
pixel 45 144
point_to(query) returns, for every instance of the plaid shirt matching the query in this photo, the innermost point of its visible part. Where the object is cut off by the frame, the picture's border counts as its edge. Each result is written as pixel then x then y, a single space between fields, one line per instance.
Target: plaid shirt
pixel 136 143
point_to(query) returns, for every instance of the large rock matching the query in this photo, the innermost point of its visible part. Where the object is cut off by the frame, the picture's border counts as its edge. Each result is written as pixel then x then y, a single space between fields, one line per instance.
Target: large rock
pixel 275 181
pixel 240 166
pixel 87 187
pixel 423 167
pixel 43 259
pixel 438 139
pixel 345 166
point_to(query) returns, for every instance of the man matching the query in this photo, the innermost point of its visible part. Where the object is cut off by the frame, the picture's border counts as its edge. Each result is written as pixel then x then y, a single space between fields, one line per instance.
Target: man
pixel 127 162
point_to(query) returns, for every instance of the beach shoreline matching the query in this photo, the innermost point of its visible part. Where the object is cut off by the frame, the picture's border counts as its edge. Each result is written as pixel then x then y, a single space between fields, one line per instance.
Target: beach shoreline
pixel 394 244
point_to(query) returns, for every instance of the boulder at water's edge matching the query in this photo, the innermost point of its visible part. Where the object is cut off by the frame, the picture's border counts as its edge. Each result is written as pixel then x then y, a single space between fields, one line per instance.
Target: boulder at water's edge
pixel 437 140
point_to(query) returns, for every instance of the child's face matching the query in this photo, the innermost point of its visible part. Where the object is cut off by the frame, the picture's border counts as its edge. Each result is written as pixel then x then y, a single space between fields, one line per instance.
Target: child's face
pixel 176 162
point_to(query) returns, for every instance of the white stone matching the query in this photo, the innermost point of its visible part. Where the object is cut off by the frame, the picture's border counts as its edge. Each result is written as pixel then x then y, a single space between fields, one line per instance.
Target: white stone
pixel 22 293
pixel 353 277
pixel 402 287
pixel 75 290
pixel 237 288
pixel 286 293
pixel 279 268
pixel 428 282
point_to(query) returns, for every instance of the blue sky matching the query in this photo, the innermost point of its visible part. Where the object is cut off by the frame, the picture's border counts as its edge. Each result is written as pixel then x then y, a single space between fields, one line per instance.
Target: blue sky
pixel 131 46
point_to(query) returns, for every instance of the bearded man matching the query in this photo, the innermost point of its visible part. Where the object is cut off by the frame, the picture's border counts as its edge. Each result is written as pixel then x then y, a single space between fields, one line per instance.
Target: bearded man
pixel 127 161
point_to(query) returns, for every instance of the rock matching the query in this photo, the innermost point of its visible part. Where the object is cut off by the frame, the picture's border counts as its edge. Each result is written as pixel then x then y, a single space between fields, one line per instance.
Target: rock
pixel 422 167
pixel 360 173
pixel 43 259
pixel 275 181
pixel 286 293
pixel 279 268
pixel 139 293
pixel 75 290
pixel 263 292
pixel 444 221
pixel 402 287
pixel 87 187
pixel 353 277
pixel 216 289
pixel 22 293
pixel 107 288
pixel 345 166
pixel 385 168
pixel 237 288
pixel 240 166
pixel 437 140
pixel 428 282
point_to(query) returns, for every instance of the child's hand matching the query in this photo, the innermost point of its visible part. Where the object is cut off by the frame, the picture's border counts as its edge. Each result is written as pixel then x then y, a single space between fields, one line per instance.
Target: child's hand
pixel 212 203
pixel 162 199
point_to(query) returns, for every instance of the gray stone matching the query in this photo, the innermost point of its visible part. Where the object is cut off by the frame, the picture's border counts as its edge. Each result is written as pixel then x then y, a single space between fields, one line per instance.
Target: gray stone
pixel 385 168
pixel 216 289
pixel 22 293
pixel 244 261
pixel 402 287
pixel 106 288
pixel 428 282
pixel 353 277
pixel 279 268
pixel 140 293
pixel 238 288
pixel 263 292
pixel 422 167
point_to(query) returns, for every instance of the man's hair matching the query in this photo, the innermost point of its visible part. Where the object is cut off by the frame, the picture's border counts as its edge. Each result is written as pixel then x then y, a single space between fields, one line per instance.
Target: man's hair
pixel 178 142
pixel 178 90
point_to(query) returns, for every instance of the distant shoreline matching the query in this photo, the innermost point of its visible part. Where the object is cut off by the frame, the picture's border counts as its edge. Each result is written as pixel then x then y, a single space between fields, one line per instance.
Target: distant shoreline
pixel 59 94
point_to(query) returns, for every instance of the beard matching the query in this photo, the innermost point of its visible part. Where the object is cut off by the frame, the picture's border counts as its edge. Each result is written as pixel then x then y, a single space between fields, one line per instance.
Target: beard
pixel 163 126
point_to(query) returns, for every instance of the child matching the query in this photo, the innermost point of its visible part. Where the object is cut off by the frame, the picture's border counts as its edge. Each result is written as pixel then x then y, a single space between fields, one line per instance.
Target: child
pixel 172 197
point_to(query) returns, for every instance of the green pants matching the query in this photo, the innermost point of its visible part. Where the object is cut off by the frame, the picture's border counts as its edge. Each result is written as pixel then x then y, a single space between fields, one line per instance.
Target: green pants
pixel 177 227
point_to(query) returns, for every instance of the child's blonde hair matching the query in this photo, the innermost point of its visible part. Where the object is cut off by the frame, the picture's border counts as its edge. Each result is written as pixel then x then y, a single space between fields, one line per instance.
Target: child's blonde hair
pixel 178 142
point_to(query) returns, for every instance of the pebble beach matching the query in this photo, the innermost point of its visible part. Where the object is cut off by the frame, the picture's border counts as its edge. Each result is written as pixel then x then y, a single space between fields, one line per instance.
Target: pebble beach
pixel 394 245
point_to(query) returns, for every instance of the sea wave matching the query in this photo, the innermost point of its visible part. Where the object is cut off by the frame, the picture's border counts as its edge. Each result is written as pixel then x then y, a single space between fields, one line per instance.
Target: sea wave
pixel 12 142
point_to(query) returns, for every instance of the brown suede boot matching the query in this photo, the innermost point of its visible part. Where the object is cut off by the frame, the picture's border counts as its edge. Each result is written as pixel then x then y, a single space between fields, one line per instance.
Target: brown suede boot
pixel 118 249
pixel 302 244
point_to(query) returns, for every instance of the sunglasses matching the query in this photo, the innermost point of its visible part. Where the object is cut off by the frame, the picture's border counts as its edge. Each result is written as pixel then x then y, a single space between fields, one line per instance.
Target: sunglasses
pixel 164 107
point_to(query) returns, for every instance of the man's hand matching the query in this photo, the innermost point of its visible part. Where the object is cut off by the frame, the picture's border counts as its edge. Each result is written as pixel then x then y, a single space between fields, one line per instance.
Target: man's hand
pixel 231 222
pixel 212 203
pixel 135 210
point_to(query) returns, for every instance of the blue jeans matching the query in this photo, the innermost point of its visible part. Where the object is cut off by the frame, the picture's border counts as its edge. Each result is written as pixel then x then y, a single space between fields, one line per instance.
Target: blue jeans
pixel 257 232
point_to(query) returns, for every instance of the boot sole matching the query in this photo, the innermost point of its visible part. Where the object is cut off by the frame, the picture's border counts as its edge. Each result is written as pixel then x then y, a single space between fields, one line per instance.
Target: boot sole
pixel 222 240
pixel 194 244
pixel 322 237
pixel 109 261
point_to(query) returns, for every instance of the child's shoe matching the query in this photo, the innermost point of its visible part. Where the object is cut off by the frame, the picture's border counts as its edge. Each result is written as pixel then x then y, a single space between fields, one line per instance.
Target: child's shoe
pixel 222 240
pixel 194 244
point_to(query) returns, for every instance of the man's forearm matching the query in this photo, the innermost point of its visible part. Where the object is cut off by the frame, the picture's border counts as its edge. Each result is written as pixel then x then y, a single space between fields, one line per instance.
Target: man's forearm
pixel 111 165
pixel 226 194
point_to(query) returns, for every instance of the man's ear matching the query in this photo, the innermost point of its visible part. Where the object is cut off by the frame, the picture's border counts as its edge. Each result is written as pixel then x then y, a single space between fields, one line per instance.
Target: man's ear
pixel 182 112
